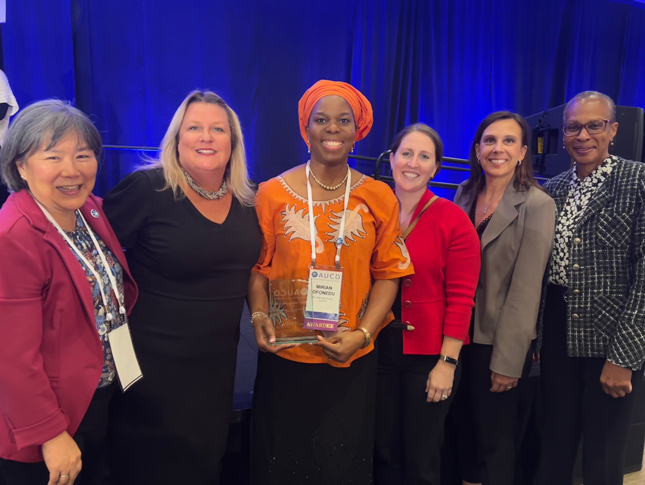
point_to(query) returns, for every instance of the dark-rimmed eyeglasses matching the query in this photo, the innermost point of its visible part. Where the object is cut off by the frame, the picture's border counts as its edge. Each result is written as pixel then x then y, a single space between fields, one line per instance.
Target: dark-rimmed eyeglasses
pixel 593 127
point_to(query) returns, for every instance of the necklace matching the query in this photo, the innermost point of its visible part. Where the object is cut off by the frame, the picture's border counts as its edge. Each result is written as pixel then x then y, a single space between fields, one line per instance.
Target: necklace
pixel 327 187
pixel 492 201
pixel 205 193
pixel 404 219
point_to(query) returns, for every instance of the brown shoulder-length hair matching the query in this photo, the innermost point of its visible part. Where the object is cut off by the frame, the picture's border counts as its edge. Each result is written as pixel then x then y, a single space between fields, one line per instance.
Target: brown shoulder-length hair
pixel 430 133
pixel 523 178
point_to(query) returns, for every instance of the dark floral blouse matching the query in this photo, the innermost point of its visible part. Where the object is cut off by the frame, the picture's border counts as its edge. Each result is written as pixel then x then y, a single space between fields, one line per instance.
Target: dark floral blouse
pixel 81 238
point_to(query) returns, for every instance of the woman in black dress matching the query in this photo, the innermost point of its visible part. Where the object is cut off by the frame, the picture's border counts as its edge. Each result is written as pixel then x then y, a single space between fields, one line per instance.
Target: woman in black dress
pixel 191 236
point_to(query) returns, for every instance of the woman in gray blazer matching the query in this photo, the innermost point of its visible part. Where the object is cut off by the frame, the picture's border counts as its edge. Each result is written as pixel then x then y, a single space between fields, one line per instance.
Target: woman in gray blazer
pixel 515 220
pixel 593 324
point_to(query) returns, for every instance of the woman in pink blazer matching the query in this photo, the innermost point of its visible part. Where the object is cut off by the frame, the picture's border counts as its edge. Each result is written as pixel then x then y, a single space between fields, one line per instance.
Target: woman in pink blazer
pixel 64 287
pixel 419 352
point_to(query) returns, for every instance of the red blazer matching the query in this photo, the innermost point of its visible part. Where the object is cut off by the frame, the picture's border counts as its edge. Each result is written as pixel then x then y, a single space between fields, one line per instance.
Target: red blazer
pixel 438 299
pixel 51 356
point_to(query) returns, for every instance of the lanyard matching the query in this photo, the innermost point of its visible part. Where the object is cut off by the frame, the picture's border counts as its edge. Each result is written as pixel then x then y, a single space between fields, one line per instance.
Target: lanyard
pixel 90 266
pixel 312 223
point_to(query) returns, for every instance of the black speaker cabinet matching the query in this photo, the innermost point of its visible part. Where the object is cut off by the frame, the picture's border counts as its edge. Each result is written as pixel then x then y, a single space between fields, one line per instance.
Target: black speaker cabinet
pixel 549 156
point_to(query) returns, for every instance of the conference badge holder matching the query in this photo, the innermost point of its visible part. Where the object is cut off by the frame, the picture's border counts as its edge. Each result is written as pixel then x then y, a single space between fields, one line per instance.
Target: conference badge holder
pixel 323 298
pixel 125 360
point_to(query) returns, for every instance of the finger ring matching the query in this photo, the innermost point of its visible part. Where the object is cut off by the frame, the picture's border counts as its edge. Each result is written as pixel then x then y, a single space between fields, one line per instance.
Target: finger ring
pixel 508 388
pixel 329 357
pixel 444 397
pixel 63 476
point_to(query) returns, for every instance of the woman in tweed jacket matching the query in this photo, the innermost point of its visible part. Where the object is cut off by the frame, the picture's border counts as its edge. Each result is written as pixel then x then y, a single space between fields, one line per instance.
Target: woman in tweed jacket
pixel 593 324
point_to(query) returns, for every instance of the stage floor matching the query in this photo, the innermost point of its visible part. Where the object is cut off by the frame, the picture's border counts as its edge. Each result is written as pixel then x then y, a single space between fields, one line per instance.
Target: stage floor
pixel 636 478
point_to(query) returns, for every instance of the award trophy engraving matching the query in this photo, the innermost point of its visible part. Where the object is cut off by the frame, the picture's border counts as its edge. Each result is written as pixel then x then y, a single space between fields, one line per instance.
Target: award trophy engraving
pixel 287 302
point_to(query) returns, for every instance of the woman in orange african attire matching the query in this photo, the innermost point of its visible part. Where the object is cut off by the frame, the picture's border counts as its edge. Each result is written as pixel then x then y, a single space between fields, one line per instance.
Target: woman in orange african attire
pixel 314 404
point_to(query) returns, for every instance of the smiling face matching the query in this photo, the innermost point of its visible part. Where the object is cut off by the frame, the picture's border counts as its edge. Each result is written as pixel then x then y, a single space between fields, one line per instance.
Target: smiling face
pixel 61 177
pixel 585 149
pixel 331 130
pixel 500 148
pixel 414 163
pixel 204 139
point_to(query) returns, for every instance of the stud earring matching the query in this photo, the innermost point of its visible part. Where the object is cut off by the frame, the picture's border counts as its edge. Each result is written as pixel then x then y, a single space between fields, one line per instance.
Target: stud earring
pixel 519 163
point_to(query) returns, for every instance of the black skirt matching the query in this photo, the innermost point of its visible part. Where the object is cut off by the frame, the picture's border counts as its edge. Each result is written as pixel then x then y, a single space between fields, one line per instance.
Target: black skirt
pixel 313 423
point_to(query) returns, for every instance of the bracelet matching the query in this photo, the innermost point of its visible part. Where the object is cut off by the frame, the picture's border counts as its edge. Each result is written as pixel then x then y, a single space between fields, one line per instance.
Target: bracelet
pixel 449 360
pixel 258 314
pixel 368 336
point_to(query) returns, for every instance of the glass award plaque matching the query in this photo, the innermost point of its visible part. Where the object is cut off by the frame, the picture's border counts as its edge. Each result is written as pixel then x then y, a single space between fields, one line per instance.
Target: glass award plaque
pixel 287 302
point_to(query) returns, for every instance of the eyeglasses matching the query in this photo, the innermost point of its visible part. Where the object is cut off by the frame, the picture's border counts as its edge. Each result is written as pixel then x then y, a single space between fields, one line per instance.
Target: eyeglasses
pixel 593 127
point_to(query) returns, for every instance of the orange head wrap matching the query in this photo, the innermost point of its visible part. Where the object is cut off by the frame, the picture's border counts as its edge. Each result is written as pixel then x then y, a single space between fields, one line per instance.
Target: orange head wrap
pixel 360 105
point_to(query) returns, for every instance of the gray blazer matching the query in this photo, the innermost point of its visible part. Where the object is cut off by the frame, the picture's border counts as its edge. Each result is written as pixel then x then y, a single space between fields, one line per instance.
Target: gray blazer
pixel 515 250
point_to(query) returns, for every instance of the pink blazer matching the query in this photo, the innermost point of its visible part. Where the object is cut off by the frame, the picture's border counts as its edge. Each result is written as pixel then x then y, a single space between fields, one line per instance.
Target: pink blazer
pixel 51 357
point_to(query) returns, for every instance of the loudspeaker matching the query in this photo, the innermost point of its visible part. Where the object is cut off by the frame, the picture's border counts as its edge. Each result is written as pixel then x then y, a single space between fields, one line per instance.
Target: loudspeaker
pixel 551 159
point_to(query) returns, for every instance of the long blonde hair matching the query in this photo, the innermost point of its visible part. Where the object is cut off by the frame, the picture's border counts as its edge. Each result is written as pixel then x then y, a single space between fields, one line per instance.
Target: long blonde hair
pixel 236 175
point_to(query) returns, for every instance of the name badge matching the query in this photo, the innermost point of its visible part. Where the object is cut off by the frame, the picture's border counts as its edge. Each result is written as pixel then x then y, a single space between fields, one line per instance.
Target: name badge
pixel 125 360
pixel 322 311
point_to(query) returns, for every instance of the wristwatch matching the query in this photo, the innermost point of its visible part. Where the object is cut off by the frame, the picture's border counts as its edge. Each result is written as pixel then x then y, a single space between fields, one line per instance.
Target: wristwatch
pixel 449 360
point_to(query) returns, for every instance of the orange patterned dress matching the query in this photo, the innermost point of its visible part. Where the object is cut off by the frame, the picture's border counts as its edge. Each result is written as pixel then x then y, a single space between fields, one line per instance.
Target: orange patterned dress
pixel 373 248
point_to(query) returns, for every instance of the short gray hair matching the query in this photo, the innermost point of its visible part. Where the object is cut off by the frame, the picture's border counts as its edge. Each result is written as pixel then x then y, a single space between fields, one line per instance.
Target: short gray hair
pixel 591 95
pixel 44 122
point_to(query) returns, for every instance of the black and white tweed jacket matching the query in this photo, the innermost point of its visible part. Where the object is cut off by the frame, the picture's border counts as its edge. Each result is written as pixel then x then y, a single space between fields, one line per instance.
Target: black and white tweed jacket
pixel 606 297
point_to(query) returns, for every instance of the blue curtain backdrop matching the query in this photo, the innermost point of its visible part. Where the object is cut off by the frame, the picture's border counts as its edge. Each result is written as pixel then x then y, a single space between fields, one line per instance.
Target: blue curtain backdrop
pixel 129 63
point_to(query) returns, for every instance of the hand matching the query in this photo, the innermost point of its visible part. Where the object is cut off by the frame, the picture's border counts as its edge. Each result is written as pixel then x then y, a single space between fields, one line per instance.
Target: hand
pixel 63 459
pixel 342 346
pixel 615 380
pixel 265 334
pixel 500 383
pixel 440 381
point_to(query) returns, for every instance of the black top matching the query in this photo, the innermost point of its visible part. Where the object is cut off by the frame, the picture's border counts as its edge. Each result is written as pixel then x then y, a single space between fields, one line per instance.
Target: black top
pixel 483 224
pixel 173 250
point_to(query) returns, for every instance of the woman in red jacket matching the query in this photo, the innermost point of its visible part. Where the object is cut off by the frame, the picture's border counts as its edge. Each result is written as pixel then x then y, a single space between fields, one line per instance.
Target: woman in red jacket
pixel 419 352
pixel 65 290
